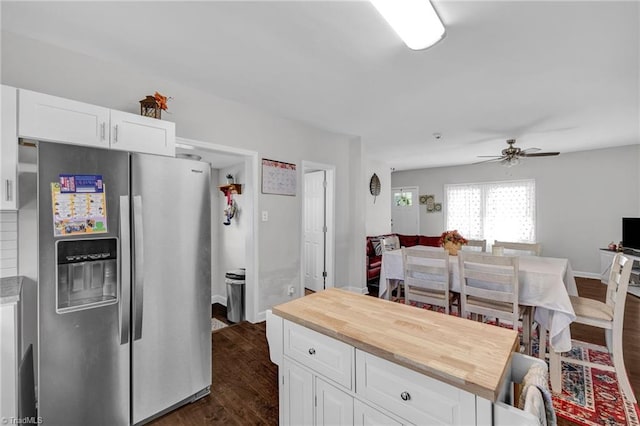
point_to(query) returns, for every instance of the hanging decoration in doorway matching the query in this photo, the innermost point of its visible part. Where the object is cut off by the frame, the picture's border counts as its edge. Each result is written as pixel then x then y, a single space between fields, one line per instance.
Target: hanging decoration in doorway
pixel 374 186
pixel 231 209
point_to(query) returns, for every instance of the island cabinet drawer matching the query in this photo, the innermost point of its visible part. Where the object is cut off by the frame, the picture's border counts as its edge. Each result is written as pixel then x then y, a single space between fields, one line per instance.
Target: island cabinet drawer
pixel 328 357
pixel 411 395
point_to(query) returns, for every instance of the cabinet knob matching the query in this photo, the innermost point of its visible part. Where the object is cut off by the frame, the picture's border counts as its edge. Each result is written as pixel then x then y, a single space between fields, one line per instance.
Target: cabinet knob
pixel 312 351
pixel 405 396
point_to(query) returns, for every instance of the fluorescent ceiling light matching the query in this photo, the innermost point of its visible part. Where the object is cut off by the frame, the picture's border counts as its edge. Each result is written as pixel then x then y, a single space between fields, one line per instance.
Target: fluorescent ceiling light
pixel 415 21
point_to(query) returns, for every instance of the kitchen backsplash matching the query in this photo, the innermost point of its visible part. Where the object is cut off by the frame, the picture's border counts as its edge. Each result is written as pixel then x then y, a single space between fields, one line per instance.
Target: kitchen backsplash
pixel 8 243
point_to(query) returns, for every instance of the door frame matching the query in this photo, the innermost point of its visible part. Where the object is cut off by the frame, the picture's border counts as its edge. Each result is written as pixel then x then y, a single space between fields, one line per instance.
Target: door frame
pixel 416 204
pixel 330 211
pixel 251 209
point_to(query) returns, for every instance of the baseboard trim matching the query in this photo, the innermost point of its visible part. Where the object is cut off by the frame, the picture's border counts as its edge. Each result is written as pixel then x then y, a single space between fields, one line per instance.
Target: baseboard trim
pixel 216 298
pixel 262 316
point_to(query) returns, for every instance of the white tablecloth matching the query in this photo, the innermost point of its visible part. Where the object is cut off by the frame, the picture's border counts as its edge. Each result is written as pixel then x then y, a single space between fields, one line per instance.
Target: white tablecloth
pixel 545 282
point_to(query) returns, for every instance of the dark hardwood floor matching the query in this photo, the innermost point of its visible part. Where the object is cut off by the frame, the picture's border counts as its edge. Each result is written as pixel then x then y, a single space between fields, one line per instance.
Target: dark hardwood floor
pixel 245 382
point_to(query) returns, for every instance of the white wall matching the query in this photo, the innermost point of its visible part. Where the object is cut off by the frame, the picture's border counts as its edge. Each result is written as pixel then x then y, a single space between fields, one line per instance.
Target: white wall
pixel 581 198
pixel 202 116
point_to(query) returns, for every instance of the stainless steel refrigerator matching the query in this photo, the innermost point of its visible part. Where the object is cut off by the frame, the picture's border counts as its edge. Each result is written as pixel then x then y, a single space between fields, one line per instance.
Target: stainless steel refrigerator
pixel 124 301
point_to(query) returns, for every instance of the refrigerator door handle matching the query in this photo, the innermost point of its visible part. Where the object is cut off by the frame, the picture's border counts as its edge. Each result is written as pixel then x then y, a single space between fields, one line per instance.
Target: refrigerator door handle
pixel 138 260
pixel 125 271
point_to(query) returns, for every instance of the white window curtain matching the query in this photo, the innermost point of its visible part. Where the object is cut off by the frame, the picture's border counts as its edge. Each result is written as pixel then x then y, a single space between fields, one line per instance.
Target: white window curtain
pixel 491 211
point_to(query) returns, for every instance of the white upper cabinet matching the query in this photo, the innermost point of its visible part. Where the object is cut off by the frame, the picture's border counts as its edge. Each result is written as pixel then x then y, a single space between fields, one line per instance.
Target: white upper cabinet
pixel 53 119
pixel 50 118
pixel 131 132
pixel 8 148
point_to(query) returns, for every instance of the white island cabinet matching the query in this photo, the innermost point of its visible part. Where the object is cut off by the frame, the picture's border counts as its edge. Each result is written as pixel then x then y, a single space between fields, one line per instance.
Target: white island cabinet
pixel 54 119
pixel 349 359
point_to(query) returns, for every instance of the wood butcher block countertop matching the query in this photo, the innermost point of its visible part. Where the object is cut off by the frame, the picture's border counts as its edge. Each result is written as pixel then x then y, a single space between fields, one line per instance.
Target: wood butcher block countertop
pixel 466 354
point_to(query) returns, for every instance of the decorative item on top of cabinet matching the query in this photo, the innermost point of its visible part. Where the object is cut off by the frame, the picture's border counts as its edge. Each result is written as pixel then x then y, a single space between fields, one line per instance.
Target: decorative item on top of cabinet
pixel 152 106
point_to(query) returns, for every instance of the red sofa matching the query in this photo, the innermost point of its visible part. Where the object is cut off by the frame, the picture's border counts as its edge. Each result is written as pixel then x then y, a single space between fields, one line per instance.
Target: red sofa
pixel 374 251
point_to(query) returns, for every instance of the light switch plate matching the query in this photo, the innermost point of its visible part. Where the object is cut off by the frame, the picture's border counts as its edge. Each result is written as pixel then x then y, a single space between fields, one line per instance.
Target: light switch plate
pixel 265 215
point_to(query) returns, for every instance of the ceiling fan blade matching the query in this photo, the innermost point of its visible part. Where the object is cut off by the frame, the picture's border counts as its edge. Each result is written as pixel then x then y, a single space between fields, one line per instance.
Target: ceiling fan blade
pixel 541 154
pixel 492 156
pixel 492 160
pixel 529 150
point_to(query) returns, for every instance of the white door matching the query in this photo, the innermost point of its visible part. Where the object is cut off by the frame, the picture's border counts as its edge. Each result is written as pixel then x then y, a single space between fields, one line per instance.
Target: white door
pixel 298 395
pixel 132 132
pixel 50 118
pixel 334 407
pixel 405 211
pixel 314 230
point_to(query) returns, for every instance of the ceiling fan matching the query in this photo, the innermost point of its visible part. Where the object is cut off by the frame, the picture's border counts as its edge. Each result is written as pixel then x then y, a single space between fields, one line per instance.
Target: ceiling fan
pixel 512 154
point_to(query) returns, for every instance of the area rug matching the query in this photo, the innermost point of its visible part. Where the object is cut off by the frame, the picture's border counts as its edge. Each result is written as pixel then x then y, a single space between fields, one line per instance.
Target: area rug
pixel 590 396
pixel 216 324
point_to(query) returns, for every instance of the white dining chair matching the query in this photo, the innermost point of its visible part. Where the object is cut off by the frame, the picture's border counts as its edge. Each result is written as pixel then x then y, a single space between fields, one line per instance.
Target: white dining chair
pixel 426 277
pixel 388 243
pixel 489 288
pixel 475 245
pixel 609 315
pixel 534 249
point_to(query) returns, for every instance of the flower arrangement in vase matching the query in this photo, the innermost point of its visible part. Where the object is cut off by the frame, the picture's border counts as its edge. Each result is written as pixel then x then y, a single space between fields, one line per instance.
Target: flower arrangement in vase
pixel 452 241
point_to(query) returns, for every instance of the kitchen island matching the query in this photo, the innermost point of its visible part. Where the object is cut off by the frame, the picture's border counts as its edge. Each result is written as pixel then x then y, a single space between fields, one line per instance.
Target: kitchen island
pixel 346 358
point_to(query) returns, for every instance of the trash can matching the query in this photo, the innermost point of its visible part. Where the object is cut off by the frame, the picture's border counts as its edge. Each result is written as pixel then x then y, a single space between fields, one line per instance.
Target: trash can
pixel 235 294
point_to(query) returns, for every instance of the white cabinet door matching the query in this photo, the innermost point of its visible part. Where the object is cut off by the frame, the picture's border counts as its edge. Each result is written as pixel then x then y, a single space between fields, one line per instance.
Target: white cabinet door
pixel 333 406
pixel 363 415
pixel 131 132
pixel 9 148
pixel 50 118
pixel 298 395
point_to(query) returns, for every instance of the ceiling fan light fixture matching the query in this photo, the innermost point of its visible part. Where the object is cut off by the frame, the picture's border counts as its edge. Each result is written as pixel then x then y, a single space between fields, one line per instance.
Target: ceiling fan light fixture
pixel 415 21
pixel 510 162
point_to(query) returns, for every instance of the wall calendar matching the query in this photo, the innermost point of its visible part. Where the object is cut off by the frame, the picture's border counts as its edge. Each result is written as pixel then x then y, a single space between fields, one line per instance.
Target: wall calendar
pixel 278 177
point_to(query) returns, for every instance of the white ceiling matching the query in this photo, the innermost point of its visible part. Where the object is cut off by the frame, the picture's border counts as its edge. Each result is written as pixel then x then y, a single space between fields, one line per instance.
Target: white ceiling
pixel 561 76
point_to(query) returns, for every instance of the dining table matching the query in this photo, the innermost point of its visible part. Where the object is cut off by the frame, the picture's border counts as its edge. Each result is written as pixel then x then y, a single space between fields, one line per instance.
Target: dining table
pixel 544 283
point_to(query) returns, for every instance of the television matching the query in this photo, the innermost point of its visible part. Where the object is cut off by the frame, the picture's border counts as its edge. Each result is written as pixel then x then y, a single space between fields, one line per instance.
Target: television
pixel 631 233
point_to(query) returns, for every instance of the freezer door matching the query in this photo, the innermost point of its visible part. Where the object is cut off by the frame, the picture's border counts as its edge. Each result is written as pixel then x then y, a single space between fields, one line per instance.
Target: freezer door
pixel 83 355
pixel 172 282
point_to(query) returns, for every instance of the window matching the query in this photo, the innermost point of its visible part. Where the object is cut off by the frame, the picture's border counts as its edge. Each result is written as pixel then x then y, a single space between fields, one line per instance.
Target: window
pixel 503 211
pixel 402 199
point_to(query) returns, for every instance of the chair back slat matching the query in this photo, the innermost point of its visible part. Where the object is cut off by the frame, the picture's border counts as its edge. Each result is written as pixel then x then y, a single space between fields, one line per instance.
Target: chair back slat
pixel 618 284
pixel 489 285
pixel 426 276
pixel 476 245
pixel 534 249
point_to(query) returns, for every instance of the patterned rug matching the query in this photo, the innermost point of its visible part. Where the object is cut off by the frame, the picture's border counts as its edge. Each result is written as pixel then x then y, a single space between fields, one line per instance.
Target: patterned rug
pixel 216 324
pixel 589 396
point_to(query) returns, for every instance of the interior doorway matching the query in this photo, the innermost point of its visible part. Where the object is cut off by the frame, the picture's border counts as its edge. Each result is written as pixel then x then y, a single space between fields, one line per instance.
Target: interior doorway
pixel 233 241
pixel 405 213
pixel 318 230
